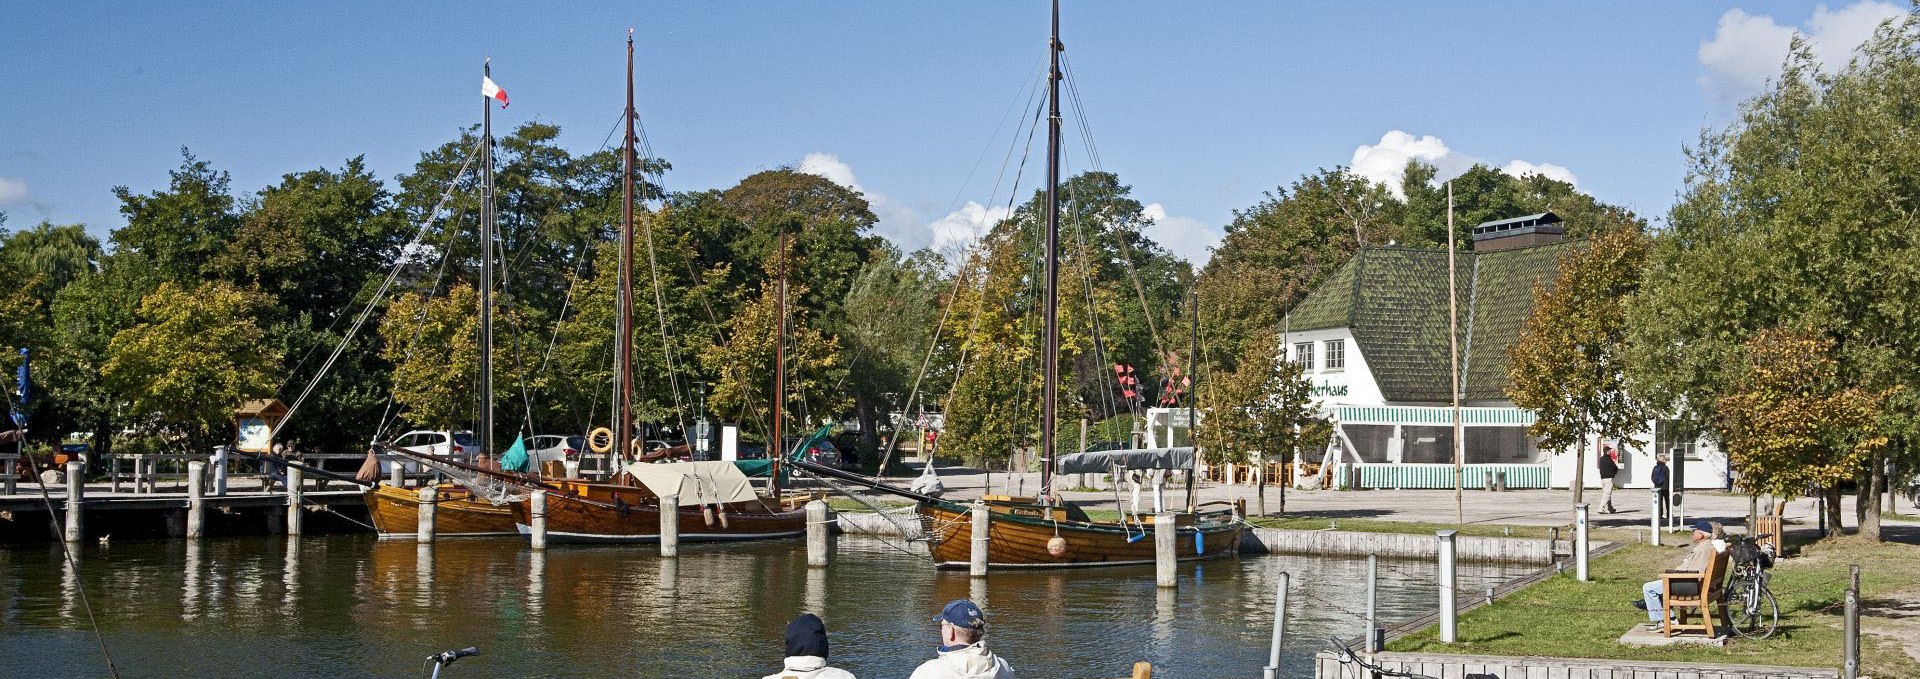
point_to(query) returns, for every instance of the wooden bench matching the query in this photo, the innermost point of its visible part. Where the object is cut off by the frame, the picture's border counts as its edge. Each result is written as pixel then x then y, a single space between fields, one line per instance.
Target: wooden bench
pixel 1706 593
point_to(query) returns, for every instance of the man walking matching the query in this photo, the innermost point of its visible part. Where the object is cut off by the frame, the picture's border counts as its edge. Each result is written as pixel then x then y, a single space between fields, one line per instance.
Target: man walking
pixel 1660 478
pixel 1609 468
pixel 963 654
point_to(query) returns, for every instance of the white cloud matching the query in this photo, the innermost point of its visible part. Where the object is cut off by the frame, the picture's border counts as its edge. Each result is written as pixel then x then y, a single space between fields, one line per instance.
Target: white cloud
pixel 1747 49
pixel 897 222
pixel 1521 168
pixel 1386 161
pixel 1186 237
pixel 13 190
pixel 960 228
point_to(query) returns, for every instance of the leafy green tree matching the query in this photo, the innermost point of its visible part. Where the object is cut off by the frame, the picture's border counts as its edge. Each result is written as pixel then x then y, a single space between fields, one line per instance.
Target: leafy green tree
pixel 1263 408
pixel 1484 194
pixel 886 323
pixel 433 342
pixel 1566 365
pixel 744 364
pixel 1796 216
pixel 52 256
pixel 180 229
pixel 191 357
pixel 1792 423
pixel 87 314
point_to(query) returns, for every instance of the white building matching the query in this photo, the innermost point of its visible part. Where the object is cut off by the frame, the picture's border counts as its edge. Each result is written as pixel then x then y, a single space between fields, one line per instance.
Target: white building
pixel 1374 341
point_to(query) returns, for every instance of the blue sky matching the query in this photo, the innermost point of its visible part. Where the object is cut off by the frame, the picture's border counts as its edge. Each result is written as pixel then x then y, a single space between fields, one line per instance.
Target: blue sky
pixel 1199 106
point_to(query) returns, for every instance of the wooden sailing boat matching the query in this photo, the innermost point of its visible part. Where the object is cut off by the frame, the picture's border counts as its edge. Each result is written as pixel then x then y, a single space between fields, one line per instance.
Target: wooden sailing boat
pixel 459 512
pixel 1043 532
pixel 616 512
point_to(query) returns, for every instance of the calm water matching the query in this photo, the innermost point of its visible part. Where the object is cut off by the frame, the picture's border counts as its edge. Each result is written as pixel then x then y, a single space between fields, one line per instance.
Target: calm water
pixel 349 606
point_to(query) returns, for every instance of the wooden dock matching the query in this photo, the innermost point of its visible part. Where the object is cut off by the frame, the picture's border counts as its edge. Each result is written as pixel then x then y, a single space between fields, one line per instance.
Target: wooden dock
pixel 162 513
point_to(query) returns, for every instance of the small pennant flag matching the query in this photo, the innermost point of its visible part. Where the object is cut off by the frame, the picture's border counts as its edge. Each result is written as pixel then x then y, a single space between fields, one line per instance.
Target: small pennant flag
pixel 492 91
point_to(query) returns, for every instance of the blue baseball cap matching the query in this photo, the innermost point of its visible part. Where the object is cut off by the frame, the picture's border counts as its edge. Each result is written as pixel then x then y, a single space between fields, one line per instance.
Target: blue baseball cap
pixel 962 613
pixel 1703 526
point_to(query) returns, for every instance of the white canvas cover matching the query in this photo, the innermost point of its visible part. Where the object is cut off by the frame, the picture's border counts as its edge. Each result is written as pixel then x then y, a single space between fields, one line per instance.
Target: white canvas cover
pixel 696 483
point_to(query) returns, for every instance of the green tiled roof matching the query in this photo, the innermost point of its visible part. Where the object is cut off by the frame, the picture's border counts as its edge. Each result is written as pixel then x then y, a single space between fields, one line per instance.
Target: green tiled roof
pixel 1394 300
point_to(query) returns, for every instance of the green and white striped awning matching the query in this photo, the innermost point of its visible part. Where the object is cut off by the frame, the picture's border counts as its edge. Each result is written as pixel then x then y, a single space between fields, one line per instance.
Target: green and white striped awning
pixel 1433 416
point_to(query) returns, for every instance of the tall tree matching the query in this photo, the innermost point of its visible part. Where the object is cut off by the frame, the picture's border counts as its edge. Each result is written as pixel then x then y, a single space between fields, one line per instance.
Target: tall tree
pixel 191 357
pixel 1566 366
pixel 180 229
pixel 51 255
pixel 1261 409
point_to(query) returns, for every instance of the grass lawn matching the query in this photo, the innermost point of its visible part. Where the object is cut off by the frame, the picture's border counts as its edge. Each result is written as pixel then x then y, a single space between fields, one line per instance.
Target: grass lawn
pixel 1564 617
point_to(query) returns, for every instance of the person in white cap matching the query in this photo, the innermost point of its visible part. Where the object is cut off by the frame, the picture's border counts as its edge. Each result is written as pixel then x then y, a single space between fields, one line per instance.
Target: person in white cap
pixel 963 654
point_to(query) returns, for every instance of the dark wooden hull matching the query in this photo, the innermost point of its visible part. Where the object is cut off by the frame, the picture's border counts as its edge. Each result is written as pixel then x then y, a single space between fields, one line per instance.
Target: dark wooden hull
pixel 616 515
pixel 396 513
pixel 1021 542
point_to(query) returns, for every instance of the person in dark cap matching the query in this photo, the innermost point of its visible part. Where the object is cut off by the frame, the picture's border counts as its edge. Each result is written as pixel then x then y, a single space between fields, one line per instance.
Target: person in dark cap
pixel 807 651
pixel 1706 543
pixel 963 654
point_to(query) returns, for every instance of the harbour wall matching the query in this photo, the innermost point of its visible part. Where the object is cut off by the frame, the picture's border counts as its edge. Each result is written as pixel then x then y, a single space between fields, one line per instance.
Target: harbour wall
pixel 1446 666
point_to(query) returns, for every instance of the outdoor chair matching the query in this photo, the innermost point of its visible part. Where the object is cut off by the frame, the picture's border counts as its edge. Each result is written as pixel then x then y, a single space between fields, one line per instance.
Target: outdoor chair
pixel 1687 592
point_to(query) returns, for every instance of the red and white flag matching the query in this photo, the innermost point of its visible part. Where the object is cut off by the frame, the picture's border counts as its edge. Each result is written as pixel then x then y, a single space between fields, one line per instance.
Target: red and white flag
pixel 492 91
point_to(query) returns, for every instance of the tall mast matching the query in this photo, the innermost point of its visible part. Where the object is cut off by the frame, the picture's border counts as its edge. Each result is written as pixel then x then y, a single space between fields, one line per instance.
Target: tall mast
pixel 1453 355
pixel 486 267
pixel 1049 392
pixel 777 449
pixel 623 326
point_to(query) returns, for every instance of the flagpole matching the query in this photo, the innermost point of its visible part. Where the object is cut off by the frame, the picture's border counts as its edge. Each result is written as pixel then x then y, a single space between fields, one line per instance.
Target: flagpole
pixel 1453 340
pixel 486 266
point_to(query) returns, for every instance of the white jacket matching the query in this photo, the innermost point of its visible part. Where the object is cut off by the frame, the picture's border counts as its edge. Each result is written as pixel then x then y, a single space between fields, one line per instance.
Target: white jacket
pixel 809 667
pixel 972 662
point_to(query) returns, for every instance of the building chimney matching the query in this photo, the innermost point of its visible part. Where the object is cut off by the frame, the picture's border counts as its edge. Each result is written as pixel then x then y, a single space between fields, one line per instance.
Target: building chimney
pixel 1518 232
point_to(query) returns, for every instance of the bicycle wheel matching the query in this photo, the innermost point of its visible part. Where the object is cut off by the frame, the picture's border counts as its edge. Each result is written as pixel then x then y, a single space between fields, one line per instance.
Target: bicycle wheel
pixel 1755 612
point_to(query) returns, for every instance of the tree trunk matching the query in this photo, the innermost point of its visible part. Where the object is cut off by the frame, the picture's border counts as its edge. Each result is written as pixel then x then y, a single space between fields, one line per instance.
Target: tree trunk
pixel 1579 472
pixel 1832 495
pixel 869 417
pixel 1869 501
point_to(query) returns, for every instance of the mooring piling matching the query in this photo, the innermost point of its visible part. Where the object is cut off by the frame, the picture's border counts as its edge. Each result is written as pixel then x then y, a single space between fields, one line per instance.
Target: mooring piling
pixel 669 525
pixel 220 456
pixel 537 518
pixel 1449 603
pixel 196 501
pixel 396 474
pixel 818 541
pixel 1580 541
pixel 429 496
pixel 1373 586
pixel 295 479
pixel 1165 557
pixel 1279 627
pixel 76 499
pixel 982 520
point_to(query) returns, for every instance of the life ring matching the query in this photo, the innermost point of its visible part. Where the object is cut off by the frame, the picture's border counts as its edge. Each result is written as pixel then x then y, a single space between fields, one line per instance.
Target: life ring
pixel 600 440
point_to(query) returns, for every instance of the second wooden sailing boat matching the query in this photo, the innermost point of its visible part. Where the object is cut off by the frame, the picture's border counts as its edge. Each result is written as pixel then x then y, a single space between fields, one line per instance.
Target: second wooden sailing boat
pixel 1044 532
pixel 713 500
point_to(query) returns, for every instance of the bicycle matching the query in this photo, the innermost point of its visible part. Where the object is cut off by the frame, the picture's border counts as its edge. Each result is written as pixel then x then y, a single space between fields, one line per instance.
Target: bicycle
pixel 1751 609
pixel 445 658
pixel 1348 657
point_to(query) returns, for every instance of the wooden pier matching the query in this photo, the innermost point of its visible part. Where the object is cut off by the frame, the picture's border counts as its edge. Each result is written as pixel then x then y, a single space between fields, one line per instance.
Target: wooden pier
pixel 112 510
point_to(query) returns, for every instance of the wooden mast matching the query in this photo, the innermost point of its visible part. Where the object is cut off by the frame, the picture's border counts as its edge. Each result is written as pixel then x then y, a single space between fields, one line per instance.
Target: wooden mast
pixel 623 326
pixel 1050 389
pixel 777 448
pixel 486 266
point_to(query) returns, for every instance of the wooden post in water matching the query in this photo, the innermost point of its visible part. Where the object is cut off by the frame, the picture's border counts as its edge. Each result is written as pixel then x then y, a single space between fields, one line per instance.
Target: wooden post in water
pixel 196 501
pixel 817 538
pixel 1449 603
pixel 1579 540
pixel 1279 627
pixel 982 519
pixel 397 474
pixel 295 478
pixel 429 496
pixel 537 518
pixel 76 497
pixel 1165 557
pixel 669 525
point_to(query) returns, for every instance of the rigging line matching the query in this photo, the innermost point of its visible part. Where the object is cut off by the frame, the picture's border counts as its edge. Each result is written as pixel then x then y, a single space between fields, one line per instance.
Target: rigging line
pixel 660 309
pixel 378 295
pixel 926 361
pixel 1086 278
pixel 519 364
pixel 66 549
pixel 1122 229
pixel 419 324
pixel 1073 92
pixel 566 302
pixel 1014 107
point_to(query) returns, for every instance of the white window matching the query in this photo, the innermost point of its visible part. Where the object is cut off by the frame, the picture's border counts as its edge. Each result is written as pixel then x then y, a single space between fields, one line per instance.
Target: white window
pixel 1336 354
pixel 1303 355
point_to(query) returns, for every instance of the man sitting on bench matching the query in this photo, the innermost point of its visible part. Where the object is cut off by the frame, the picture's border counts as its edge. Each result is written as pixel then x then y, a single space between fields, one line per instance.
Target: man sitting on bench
pixel 1698 556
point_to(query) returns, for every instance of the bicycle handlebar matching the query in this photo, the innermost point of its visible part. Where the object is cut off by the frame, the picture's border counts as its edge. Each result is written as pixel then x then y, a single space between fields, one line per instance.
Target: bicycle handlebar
pixel 447 657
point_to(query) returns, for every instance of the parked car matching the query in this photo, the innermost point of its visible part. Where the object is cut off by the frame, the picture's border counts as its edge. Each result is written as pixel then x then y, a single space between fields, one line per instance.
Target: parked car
pixel 555 447
pixel 460 446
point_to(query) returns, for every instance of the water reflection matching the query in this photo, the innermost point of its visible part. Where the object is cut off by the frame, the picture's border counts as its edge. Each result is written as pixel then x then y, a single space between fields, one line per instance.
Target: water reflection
pixel 352 606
